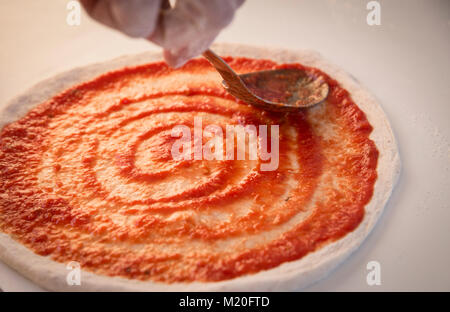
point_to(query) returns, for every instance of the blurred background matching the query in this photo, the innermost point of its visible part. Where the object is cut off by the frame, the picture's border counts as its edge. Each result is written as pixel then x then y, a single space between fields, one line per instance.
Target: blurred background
pixel 404 62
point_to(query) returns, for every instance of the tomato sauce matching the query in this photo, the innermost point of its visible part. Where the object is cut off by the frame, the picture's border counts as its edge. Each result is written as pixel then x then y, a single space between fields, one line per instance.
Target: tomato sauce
pixel 87 176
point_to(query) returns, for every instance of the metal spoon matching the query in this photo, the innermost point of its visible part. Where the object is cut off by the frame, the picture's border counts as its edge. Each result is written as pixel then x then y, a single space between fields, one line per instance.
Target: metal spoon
pixel 276 90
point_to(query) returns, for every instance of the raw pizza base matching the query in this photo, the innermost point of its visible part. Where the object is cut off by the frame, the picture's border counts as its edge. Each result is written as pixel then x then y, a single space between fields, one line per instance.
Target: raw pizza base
pixel 286 277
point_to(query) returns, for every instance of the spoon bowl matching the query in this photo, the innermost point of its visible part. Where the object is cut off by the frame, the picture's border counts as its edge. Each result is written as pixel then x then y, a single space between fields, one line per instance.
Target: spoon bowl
pixel 279 90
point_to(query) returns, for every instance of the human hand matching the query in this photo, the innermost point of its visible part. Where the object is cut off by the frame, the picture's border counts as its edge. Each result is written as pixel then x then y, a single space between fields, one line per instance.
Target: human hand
pixel 184 31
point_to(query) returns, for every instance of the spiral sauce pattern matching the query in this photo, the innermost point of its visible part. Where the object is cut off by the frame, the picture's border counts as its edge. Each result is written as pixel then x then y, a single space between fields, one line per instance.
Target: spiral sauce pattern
pixel 88 176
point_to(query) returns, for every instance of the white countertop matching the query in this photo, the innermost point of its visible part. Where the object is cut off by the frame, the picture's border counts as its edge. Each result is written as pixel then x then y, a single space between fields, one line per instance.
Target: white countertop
pixel 405 62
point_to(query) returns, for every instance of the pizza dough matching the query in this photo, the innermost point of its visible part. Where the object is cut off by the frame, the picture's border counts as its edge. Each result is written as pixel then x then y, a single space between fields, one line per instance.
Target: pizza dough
pixel 287 276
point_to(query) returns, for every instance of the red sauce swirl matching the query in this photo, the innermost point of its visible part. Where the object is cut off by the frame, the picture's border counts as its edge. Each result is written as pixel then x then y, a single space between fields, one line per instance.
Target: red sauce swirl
pixel 87 176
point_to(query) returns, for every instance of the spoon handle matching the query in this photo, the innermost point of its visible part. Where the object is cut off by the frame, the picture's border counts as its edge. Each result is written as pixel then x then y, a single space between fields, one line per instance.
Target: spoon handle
pixel 222 67
pixel 233 83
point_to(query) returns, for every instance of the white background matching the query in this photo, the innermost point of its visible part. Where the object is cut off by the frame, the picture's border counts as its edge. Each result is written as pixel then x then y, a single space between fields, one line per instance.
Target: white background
pixel 404 62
